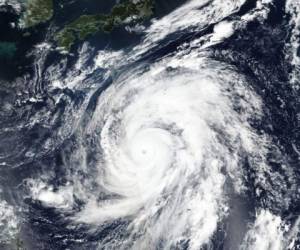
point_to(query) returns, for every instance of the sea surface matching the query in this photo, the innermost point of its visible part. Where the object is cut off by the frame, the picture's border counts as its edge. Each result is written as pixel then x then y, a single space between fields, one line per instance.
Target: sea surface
pixel 179 133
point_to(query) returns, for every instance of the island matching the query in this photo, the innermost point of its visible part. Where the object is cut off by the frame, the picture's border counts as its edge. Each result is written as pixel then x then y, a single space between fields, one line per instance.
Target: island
pixel 125 12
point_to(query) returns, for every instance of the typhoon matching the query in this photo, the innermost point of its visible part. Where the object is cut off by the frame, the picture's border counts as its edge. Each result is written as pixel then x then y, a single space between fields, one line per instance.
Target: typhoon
pixel 184 137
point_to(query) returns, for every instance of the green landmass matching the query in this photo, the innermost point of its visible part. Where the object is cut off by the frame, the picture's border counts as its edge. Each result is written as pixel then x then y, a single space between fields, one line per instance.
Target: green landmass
pixel 129 11
pixel 7 49
pixel 37 11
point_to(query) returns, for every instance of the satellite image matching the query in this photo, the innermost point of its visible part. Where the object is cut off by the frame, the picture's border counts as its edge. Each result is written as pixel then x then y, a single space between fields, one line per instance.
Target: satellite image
pixel 149 124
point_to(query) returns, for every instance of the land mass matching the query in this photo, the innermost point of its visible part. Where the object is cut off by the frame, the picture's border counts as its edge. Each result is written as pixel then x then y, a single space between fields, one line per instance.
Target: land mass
pixel 37 11
pixel 126 12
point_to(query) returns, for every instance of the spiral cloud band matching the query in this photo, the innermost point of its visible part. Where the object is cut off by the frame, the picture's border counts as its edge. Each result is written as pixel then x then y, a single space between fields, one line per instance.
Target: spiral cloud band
pixel 172 142
pixel 168 137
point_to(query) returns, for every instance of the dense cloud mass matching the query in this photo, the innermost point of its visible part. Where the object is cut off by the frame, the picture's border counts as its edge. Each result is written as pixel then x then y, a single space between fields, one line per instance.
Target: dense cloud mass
pixel 188 138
